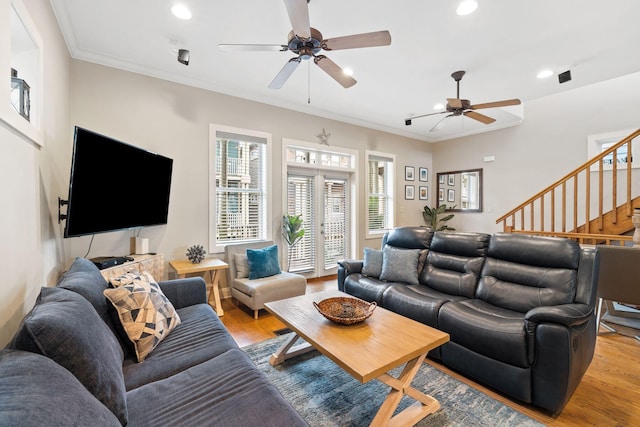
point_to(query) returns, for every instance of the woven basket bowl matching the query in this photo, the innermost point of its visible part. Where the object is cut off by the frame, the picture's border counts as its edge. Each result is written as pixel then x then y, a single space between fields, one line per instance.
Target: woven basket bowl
pixel 345 310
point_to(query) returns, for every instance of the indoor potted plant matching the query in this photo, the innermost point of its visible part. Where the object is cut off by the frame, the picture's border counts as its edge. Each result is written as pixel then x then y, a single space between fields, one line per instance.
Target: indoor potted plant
pixel 432 217
pixel 292 232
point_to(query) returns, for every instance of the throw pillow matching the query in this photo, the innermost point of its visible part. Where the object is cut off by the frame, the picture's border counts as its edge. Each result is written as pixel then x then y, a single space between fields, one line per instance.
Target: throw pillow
pixel 65 327
pixel 400 265
pixel 146 314
pixel 242 266
pixel 372 264
pixel 263 262
pixel 129 277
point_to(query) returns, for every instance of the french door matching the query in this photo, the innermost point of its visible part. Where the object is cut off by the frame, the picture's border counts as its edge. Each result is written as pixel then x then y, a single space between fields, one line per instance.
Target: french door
pixel 322 200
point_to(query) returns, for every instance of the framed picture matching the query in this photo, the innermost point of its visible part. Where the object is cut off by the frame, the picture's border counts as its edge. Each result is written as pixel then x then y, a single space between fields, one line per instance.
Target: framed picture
pixel 423 174
pixel 441 194
pixel 409 192
pixel 409 173
pixel 423 193
pixel 451 195
pixel 452 179
pixel 441 179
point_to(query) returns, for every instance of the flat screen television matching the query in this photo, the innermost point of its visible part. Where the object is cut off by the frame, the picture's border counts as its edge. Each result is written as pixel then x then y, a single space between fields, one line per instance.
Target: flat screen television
pixel 115 186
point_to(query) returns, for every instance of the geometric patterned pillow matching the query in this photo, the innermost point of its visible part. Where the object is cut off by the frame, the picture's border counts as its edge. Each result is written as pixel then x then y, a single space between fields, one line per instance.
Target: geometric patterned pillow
pixel 147 316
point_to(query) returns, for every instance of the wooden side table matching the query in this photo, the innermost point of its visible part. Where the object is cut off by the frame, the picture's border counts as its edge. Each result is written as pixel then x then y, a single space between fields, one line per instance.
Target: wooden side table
pixel 215 267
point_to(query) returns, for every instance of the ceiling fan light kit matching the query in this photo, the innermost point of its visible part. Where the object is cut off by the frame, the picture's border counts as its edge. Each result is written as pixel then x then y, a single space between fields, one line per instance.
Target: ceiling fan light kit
pixel 307 42
pixel 463 107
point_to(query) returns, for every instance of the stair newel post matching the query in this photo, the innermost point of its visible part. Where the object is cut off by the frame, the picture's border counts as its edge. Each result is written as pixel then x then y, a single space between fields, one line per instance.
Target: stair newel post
pixel 635 219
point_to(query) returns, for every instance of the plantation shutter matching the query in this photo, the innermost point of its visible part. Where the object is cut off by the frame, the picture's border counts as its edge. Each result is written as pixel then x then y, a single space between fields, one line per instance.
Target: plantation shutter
pixel 335 221
pixel 301 201
pixel 379 182
pixel 240 188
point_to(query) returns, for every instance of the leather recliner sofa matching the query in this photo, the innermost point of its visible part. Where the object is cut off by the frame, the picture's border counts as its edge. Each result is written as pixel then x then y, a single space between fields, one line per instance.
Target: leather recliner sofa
pixel 519 309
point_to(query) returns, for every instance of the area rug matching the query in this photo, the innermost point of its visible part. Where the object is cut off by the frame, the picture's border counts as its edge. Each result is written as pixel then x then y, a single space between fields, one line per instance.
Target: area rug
pixel 325 395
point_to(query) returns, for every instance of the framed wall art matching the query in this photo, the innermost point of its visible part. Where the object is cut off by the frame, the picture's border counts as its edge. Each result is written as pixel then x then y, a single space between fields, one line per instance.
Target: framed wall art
pixel 451 195
pixel 409 192
pixel 423 193
pixel 409 173
pixel 423 174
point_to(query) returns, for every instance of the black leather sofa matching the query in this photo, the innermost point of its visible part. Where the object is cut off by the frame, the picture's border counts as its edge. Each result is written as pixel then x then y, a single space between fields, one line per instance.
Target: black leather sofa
pixel 519 309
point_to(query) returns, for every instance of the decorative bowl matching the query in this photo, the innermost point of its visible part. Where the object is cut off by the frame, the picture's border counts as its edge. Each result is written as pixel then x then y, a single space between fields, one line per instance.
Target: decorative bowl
pixel 345 310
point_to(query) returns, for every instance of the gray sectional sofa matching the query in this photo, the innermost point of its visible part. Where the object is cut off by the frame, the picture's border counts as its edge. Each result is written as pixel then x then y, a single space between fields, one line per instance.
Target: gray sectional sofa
pixel 519 309
pixel 69 364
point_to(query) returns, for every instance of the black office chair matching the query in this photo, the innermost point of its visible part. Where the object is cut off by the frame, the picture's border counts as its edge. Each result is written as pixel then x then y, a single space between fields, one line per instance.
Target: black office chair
pixel 618 281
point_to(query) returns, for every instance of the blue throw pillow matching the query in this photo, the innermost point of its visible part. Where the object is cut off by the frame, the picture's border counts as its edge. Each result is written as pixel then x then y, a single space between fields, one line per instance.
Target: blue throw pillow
pixel 263 262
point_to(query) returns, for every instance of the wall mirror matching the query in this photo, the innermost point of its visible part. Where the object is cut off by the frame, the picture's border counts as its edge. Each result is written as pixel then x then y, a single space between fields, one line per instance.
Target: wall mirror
pixel 461 190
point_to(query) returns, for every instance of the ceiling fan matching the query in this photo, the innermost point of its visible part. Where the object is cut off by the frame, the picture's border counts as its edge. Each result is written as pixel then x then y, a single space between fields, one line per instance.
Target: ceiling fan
pixel 307 42
pixel 462 107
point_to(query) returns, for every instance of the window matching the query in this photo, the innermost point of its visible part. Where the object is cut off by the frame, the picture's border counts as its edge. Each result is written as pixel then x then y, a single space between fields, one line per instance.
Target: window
pixel 239 197
pixel 379 192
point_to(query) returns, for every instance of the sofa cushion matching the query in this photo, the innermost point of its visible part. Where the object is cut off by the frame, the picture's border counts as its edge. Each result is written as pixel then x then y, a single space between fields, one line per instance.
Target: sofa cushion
pixel 452 274
pixel 367 288
pixel 29 384
pixel 418 302
pixel 200 337
pixel 492 331
pixel 400 265
pixel 408 237
pixel 271 288
pixel 242 266
pixel 84 278
pixel 65 327
pixel 263 262
pixel 372 263
pixel 226 390
pixel 146 314
pixel 461 244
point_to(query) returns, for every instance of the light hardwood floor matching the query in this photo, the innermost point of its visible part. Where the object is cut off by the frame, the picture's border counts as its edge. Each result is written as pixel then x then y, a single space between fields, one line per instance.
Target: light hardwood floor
pixel 609 394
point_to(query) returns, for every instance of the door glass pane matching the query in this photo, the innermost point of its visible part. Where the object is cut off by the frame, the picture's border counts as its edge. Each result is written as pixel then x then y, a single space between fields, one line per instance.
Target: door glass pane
pixel 300 201
pixel 335 221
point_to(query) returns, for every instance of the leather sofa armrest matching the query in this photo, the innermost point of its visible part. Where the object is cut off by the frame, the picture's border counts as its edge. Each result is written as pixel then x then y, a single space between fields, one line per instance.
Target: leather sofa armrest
pixel 345 268
pixel 185 292
pixel 566 314
pixel 351 266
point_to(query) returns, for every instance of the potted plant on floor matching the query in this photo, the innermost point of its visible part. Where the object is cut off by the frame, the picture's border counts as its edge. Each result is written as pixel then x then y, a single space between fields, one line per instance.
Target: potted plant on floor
pixel 292 232
pixel 432 217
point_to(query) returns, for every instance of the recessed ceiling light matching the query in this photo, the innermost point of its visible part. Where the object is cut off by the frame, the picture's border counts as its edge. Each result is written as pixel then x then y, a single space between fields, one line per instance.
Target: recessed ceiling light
pixel 348 71
pixel 181 11
pixel 467 7
pixel 438 106
pixel 545 74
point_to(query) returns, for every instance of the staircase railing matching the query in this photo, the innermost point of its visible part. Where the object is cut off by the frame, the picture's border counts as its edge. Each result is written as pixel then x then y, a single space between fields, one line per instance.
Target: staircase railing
pixel 565 207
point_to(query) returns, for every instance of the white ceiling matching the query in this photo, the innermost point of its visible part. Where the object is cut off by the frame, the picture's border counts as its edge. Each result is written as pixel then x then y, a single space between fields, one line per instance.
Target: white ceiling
pixel 501 46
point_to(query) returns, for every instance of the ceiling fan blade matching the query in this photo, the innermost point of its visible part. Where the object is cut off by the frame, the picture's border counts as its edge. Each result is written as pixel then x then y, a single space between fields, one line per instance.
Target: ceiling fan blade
pixel 496 104
pixel 298 11
pixel 408 120
pixel 455 102
pixel 440 123
pixel 284 74
pixel 252 47
pixel 377 38
pixel 479 117
pixel 337 73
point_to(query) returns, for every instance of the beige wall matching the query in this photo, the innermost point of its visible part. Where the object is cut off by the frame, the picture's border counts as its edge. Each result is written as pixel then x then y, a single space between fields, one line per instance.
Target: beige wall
pixel 550 143
pixel 30 251
pixel 173 120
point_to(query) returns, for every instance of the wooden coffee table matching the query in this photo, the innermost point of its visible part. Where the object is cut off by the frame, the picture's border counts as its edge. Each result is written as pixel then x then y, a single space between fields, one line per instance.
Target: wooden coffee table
pixel 365 350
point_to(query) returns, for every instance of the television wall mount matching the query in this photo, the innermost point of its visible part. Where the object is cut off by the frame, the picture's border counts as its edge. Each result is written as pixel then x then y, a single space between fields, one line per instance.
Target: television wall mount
pixel 61 203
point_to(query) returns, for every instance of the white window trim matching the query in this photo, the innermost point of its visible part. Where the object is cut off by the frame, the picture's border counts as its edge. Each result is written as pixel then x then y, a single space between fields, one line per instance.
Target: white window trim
pixel 213 129
pixel 379 233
